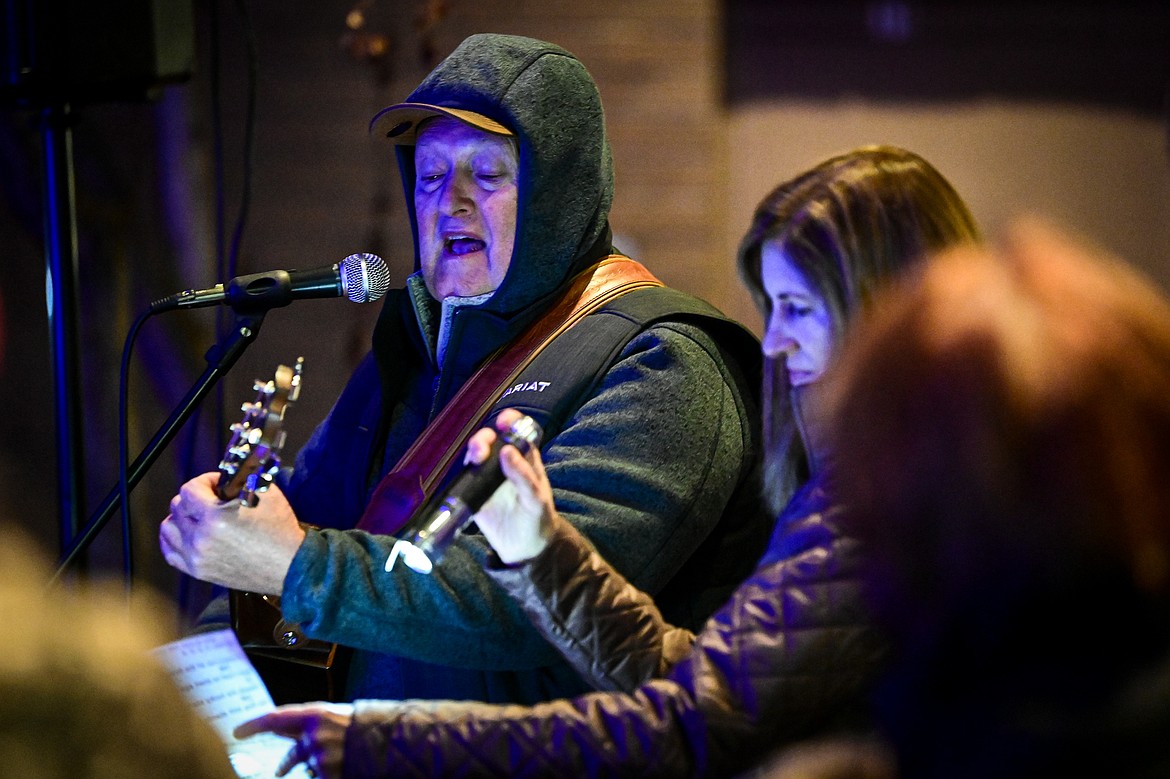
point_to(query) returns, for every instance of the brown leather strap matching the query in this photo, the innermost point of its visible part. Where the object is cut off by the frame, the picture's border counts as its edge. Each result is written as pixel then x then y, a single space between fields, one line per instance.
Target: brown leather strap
pixel 410 484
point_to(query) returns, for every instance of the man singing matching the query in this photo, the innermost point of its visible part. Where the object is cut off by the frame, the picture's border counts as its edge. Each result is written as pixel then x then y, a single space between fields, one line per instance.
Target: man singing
pixel 647 399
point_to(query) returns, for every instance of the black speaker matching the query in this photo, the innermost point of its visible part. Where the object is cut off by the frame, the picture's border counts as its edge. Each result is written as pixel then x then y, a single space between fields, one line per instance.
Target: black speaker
pixel 90 51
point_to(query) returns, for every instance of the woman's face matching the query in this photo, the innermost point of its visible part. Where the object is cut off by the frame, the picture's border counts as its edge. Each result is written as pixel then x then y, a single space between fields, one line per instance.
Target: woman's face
pixel 800 325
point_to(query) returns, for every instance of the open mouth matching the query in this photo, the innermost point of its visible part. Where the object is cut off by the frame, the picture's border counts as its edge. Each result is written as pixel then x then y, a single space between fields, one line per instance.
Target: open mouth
pixel 800 377
pixel 462 244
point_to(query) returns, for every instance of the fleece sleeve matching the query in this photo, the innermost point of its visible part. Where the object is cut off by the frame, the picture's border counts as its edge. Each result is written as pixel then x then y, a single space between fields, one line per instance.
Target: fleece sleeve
pixel 643 469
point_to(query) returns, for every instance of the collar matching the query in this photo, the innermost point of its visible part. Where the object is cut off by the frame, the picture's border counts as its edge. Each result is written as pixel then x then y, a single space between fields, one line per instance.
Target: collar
pixel 434 317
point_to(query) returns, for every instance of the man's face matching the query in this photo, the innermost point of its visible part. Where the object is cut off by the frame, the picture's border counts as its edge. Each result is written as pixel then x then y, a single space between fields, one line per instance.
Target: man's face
pixel 465 197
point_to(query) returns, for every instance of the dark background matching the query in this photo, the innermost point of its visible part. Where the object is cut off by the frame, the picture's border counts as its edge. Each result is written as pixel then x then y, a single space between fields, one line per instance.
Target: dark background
pixel 242 128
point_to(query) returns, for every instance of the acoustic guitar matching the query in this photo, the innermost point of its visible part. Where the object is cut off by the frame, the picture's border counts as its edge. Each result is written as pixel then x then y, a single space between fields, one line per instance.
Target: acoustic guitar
pixel 294 667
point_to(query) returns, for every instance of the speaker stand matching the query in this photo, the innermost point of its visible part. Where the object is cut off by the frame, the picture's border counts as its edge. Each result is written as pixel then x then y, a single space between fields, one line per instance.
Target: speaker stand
pixel 61 283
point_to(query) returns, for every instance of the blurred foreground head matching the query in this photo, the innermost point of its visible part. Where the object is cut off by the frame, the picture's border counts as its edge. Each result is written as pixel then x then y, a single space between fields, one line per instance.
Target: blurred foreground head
pixel 80 697
pixel 1002 427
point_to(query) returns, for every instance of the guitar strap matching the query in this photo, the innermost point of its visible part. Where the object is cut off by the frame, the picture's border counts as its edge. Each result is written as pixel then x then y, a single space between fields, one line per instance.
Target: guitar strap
pixel 547 372
pixel 413 480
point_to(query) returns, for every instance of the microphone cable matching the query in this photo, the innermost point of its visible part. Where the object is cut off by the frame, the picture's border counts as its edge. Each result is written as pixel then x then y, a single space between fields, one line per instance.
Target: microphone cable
pixel 124 448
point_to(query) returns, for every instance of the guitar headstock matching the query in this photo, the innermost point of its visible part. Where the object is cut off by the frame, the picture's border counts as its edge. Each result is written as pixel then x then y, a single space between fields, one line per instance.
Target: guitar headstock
pixel 253 454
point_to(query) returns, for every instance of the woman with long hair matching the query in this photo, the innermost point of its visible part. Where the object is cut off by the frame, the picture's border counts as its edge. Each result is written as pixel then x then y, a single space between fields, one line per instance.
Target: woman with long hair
pixel 843 229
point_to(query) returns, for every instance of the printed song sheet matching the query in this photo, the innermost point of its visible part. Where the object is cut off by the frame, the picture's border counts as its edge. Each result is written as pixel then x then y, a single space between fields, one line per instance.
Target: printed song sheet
pixel 214 674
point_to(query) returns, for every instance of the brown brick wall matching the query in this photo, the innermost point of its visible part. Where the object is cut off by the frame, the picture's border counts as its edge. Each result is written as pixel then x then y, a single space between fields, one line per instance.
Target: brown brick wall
pixel 658 67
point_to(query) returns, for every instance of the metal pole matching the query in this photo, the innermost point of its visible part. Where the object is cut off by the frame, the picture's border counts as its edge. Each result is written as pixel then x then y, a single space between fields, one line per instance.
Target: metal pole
pixel 60 207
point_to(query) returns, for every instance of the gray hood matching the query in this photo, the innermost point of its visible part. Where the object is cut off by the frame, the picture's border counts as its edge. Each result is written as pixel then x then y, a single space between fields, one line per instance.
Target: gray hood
pixel 546 97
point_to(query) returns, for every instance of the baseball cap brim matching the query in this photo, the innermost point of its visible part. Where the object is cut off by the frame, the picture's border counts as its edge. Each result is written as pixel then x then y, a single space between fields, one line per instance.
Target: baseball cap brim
pixel 399 123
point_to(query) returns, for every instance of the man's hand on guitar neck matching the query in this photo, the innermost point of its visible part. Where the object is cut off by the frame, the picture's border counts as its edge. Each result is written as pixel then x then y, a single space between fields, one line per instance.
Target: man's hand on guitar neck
pixel 222 542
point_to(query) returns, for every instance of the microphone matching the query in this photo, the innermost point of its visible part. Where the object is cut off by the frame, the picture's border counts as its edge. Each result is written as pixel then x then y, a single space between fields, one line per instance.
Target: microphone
pixel 466 495
pixel 363 278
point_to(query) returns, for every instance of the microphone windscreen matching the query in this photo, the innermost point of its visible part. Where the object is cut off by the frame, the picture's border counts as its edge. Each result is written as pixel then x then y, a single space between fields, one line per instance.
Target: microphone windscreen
pixel 364 277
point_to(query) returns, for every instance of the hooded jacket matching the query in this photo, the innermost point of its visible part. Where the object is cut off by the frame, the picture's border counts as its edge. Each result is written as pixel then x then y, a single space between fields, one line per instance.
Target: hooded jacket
pixel 645 465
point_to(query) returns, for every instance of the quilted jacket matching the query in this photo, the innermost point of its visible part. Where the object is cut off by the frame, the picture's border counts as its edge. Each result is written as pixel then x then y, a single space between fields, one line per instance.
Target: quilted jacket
pixel 788 656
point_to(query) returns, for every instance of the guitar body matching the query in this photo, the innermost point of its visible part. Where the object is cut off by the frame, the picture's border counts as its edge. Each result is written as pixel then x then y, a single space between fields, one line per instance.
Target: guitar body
pixel 294 667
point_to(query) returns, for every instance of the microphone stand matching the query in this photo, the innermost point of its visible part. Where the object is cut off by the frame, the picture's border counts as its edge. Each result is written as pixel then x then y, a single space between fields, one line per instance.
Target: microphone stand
pixel 220 359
